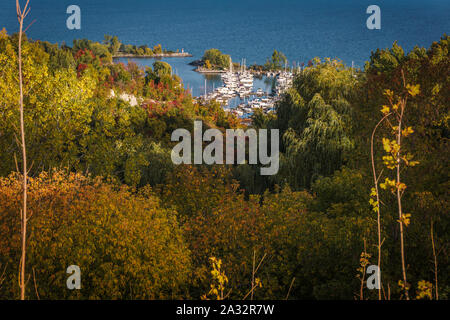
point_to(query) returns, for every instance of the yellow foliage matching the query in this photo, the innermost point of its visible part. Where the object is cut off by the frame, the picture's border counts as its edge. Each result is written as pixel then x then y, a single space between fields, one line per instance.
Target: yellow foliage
pixel 388 183
pixel 385 110
pixel 424 290
pixel 405 219
pixel 388 93
pixel 120 239
pixel 3 34
pixel 406 132
pixel 413 90
pixel 219 280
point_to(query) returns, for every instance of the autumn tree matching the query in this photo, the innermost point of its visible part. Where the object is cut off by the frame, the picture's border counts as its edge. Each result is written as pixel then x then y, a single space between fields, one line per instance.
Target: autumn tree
pixel 126 244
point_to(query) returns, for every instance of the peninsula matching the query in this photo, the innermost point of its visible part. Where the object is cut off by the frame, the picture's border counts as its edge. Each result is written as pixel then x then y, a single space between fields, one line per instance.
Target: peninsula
pixel 111 48
pixel 155 55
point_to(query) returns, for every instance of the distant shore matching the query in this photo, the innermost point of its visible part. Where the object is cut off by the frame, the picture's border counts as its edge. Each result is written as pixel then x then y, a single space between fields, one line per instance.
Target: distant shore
pixel 159 55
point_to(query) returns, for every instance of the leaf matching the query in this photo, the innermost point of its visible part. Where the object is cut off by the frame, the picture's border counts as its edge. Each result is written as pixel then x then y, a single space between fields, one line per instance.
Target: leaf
pixel 413 90
pixel 406 132
pixel 388 93
pixel 385 110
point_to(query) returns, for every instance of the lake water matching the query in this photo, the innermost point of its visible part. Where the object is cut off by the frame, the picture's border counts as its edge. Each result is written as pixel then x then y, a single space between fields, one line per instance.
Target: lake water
pixel 249 29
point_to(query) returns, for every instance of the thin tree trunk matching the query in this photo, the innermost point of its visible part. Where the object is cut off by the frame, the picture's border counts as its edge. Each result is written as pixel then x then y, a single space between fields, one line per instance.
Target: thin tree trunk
pixel 435 262
pixel 399 199
pixel 290 287
pixel 21 17
pixel 389 292
pixel 253 273
pixel 375 180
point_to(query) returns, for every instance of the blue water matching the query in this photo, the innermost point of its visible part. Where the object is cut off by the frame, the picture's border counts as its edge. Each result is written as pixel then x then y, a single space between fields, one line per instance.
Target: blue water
pixel 244 28
pixel 249 29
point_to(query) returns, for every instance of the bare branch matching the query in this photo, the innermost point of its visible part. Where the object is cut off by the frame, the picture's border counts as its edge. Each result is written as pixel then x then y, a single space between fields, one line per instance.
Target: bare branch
pixel 290 287
pixel 35 286
pixel 26 29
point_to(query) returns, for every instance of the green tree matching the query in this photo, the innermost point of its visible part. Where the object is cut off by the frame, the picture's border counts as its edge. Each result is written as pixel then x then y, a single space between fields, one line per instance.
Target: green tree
pixel 314 119
pixel 217 59
pixel 277 62
pixel 157 49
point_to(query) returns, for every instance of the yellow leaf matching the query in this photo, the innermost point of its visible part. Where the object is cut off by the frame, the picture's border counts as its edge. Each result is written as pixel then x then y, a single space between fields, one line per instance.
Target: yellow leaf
pixel 385 110
pixel 413 90
pixel 388 93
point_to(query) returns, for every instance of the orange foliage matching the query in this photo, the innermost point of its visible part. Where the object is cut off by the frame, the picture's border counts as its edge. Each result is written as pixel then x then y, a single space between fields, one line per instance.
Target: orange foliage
pixel 126 245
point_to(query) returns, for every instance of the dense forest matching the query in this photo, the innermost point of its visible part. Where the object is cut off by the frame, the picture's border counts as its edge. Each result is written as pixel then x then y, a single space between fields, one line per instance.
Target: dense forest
pixel 104 194
pixel 111 46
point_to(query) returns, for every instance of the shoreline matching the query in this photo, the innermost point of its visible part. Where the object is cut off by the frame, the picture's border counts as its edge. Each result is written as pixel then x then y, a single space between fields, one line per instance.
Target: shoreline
pixel 269 74
pixel 207 71
pixel 160 55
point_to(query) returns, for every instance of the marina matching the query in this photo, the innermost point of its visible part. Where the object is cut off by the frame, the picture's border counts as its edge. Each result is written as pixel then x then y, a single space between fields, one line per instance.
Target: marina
pixel 239 91
pixel 240 96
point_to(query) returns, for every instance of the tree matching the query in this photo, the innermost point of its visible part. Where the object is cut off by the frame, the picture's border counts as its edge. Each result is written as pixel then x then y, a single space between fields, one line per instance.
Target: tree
pixel 157 49
pixel 387 71
pixel 126 244
pixel 396 157
pixel 314 119
pixel 161 70
pixel 21 15
pixel 112 43
pixel 115 45
pixel 217 59
pixel 277 62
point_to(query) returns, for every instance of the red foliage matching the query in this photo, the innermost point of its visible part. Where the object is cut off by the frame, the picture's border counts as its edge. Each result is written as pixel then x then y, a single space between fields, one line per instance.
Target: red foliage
pixel 81 67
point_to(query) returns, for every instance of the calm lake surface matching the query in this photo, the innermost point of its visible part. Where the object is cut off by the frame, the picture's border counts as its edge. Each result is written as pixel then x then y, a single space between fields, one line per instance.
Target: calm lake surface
pixel 249 29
